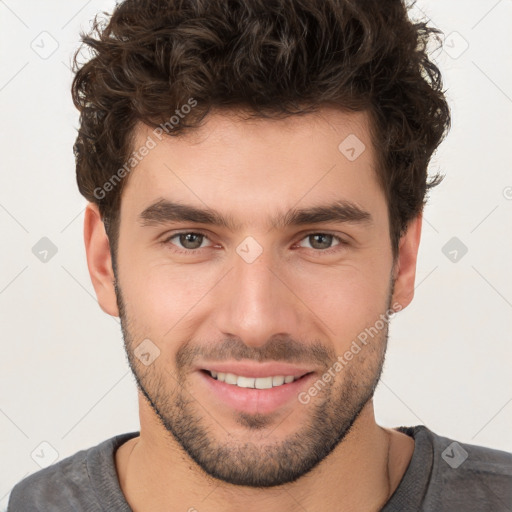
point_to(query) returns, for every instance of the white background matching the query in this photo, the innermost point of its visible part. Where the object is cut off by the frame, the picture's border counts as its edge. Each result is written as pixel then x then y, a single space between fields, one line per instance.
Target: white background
pixel 63 375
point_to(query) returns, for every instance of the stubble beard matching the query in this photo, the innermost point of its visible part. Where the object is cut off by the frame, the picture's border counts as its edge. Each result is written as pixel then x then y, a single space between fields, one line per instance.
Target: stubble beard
pixel 257 460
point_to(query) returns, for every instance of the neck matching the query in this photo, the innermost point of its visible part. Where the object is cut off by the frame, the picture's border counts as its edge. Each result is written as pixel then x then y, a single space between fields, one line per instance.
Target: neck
pixel 360 474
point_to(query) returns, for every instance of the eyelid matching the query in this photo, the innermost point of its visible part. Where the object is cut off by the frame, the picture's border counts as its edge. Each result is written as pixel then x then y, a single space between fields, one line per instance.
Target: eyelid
pixel 171 234
pixel 321 232
pixel 341 237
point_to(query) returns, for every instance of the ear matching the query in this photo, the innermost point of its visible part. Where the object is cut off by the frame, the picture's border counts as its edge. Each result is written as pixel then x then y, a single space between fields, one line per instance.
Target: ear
pixel 405 265
pixel 99 261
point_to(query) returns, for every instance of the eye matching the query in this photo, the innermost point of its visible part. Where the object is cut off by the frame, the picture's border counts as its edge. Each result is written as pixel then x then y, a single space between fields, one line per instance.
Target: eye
pixel 322 241
pixel 188 241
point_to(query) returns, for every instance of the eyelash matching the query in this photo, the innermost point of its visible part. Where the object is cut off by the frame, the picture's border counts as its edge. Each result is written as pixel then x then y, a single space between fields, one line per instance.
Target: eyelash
pixel 177 250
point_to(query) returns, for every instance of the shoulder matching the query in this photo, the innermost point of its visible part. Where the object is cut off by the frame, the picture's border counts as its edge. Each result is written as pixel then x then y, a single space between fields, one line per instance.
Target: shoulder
pixel 68 484
pixel 468 476
pixel 50 487
pixel 469 458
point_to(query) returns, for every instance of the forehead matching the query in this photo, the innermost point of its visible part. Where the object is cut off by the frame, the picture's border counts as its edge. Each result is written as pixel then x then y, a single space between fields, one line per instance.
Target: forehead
pixel 245 165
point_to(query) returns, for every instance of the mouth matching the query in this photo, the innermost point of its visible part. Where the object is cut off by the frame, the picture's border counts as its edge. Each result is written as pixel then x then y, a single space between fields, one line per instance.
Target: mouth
pixel 260 388
pixel 242 381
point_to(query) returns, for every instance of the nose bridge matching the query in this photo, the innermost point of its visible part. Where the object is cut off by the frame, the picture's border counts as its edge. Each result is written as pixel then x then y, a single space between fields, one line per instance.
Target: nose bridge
pixel 256 304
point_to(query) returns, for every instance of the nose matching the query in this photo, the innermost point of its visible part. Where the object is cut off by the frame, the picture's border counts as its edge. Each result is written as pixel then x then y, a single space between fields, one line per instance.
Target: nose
pixel 257 302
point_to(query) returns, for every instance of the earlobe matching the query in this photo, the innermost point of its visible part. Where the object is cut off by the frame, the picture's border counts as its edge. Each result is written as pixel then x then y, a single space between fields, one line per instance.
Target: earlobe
pixel 99 260
pixel 405 266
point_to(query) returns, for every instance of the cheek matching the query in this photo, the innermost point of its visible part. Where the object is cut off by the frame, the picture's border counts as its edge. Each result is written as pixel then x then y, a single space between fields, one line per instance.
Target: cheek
pixel 347 300
pixel 163 297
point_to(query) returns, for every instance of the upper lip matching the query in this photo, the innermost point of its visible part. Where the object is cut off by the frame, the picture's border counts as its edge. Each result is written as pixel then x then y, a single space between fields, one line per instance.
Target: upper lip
pixel 256 370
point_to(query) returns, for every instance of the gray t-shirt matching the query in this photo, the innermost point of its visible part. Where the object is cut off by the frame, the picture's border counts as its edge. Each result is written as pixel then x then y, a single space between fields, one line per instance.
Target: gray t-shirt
pixel 443 475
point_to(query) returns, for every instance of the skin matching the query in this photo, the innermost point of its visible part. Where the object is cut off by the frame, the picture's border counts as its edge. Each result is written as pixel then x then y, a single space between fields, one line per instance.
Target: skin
pixel 252 170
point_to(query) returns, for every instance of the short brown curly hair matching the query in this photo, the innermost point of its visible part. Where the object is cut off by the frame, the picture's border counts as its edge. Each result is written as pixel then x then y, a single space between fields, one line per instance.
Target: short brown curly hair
pixel 272 58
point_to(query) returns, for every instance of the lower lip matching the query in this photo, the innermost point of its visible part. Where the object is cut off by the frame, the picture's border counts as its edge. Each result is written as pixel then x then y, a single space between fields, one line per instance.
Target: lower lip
pixel 251 400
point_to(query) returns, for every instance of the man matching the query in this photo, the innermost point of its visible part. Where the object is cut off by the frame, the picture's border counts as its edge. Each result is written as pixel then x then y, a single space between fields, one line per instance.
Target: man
pixel 256 173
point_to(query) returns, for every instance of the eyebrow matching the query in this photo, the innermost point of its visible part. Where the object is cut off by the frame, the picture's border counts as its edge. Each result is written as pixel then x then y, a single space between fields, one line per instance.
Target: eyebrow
pixel 165 211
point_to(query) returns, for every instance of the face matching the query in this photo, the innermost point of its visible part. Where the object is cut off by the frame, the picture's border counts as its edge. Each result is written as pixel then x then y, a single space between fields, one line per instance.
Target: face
pixel 253 258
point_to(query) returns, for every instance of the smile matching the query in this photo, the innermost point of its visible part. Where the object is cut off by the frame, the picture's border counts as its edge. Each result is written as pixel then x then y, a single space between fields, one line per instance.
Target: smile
pixel 253 382
pixel 253 388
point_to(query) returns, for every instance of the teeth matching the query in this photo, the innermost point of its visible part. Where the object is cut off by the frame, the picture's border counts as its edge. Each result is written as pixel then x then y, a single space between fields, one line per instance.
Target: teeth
pixel 230 378
pixel 252 382
pixel 244 382
pixel 263 383
pixel 277 380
